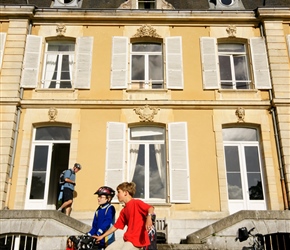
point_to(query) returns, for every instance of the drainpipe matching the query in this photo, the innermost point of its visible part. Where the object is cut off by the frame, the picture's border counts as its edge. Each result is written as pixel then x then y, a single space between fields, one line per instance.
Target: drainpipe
pixel 16 132
pixel 278 144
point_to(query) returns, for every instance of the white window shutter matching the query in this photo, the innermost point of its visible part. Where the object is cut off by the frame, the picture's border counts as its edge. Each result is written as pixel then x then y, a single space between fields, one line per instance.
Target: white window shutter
pixel 119 64
pixel 178 163
pixel 209 61
pixel 83 69
pixel 260 63
pixel 115 154
pixel 288 44
pixel 174 63
pixel 2 46
pixel 31 62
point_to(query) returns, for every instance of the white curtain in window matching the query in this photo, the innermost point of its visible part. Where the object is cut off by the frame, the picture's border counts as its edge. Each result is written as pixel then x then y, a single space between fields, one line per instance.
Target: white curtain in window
pixel 134 150
pixel 71 64
pixel 50 68
pixel 158 155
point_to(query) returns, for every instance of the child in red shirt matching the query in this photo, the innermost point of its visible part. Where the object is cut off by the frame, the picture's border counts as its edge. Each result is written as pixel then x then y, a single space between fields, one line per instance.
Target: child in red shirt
pixel 136 215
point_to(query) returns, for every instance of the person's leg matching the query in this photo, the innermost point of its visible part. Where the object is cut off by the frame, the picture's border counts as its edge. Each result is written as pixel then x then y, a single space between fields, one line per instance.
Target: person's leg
pixel 67 201
pixel 129 246
pixel 68 208
pixel 116 245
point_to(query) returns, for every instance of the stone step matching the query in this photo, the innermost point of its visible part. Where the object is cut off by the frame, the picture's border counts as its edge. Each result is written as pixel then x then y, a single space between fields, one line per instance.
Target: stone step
pixel 181 247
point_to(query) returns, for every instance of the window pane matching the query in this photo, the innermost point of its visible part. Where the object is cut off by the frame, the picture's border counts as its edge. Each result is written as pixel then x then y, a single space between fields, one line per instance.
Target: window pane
pixel 52 133
pixel 139 173
pixel 231 47
pixel 225 68
pixel 240 134
pixel 255 186
pixel 234 186
pixel 252 159
pixel 138 67
pixel 147 133
pixel 241 71
pixel 146 47
pixel 65 72
pixel 64 46
pixel 157 171
pixel 39 172
pixel 155 67
pixel 232 159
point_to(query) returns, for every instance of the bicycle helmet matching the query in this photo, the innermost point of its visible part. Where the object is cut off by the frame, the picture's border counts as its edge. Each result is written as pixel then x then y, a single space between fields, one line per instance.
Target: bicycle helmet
pixel 77 165
pixel 107 191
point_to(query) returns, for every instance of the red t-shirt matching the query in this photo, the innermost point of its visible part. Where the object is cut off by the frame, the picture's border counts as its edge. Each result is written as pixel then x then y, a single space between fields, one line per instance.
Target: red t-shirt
pixel 133 215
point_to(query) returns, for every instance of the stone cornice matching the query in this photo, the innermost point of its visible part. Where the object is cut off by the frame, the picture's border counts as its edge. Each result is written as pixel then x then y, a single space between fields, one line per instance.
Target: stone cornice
pixel 274 13
pixel 125 16
pixel 98 104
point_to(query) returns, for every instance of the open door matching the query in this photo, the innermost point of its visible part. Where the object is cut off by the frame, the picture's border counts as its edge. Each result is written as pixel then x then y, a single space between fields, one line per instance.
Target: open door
pixel 49 156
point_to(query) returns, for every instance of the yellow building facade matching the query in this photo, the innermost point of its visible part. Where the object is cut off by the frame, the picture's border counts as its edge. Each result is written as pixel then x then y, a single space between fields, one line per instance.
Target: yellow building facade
pixel 190 104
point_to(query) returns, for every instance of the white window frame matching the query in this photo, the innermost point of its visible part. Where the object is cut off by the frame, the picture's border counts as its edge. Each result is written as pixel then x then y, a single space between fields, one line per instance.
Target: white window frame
pixel 246 203
pixel 146 83
pixel 59 54
pixel 257 56
pixel 147 144
pixel 178 180
pixel 120 77
pixel 34 50
pixel 232 55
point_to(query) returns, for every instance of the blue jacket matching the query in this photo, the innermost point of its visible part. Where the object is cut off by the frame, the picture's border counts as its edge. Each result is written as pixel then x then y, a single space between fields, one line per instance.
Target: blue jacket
pixel 104 218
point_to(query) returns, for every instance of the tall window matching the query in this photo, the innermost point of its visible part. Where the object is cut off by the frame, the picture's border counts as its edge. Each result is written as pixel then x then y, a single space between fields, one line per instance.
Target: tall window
pixel 243 167
pixel 146 4
pixel 58 67
pixel 146 66
pixel 148 162
pixel 233 65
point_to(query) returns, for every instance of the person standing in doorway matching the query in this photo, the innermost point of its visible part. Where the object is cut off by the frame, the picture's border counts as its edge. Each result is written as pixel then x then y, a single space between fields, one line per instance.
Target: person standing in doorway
pixel 136 215
pixel 68 188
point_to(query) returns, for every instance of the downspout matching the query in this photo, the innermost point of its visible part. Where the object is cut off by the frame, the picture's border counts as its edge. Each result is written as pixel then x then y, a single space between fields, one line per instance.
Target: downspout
pixel 278 144
pixel 16 132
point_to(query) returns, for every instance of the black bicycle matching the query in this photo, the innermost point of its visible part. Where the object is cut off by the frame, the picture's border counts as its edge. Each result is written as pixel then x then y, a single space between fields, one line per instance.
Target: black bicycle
pixel 84 242
pixel 256 240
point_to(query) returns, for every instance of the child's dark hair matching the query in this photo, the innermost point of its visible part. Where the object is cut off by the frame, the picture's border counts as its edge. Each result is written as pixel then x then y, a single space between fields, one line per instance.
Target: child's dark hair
pixel 130 187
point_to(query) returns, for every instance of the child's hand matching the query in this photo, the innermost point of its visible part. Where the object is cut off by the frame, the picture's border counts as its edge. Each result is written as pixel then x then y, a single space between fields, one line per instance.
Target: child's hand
pixel 98 238
pixel 148 224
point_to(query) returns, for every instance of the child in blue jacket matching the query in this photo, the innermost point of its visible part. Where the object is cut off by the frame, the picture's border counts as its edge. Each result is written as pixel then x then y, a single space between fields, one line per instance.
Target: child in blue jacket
pixel 104 216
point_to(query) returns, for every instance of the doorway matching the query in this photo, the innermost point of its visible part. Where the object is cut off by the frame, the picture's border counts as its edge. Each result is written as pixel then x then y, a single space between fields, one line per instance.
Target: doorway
pixel 49 157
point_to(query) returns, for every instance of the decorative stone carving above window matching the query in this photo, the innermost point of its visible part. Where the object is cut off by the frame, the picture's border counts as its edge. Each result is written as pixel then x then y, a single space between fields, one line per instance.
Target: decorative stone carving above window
pixel 226 4
pixel 133 4
pixel 146 31
pixel 146 113
pixel 52 113
pixel 60 29
pixel 240 113
pixel 232 30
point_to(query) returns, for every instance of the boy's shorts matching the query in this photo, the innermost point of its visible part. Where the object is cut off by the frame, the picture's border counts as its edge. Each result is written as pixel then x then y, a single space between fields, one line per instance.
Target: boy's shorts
pixel 67 194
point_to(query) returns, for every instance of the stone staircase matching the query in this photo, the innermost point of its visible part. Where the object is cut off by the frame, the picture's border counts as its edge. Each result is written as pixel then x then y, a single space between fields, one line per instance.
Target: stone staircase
pixel 53 228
